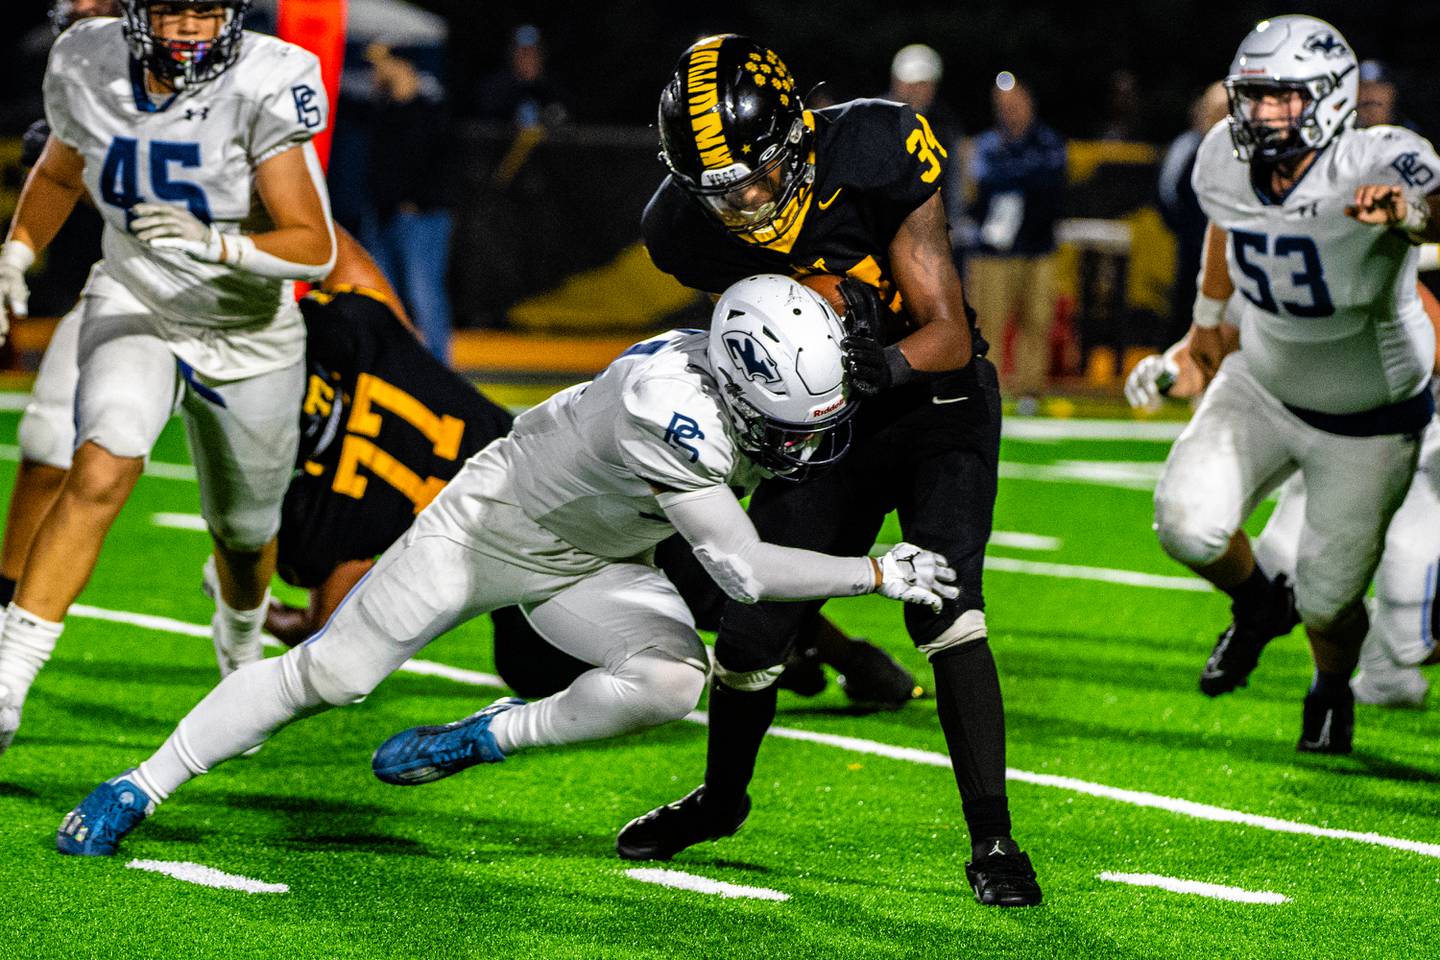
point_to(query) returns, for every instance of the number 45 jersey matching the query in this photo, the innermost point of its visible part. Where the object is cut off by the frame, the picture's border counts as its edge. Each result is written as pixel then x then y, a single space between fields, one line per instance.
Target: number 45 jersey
pixel 1329 316
pixel 196 149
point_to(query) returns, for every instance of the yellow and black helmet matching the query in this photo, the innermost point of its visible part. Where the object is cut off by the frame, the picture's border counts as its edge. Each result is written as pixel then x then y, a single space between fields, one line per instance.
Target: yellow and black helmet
pixel 732 131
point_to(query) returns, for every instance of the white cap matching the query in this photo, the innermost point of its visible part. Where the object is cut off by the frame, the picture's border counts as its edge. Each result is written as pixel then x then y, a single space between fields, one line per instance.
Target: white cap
pixel 917 63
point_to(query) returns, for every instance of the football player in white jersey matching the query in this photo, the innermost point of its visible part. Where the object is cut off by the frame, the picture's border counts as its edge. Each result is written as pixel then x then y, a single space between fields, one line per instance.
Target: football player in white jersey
pixel 561 516
pixel 1405 615
pixel 174 121
pixel 1315 224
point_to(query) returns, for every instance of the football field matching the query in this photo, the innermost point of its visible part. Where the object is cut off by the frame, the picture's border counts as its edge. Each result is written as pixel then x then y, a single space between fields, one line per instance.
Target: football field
pixel 1162 824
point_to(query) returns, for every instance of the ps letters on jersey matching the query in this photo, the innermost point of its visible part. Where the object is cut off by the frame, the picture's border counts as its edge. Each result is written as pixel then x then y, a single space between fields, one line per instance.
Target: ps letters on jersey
pixel 305 109
pixel 681 429
pixel 1412 170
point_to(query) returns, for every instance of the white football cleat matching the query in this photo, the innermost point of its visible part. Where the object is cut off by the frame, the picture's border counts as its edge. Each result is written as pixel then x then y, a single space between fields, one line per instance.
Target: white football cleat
pixel 1400 687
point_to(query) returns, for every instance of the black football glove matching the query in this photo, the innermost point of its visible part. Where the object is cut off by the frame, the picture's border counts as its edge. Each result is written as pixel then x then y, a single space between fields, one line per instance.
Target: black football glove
pixel 864 344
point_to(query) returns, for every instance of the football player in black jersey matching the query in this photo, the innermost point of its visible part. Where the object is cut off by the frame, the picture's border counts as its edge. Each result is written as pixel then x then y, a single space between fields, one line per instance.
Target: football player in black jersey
pixel 757 183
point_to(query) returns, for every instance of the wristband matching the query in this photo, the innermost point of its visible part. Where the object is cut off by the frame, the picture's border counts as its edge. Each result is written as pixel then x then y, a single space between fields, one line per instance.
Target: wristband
pixel 898 366
pixel 17 254
pixel 1208 312
pixel 1417 217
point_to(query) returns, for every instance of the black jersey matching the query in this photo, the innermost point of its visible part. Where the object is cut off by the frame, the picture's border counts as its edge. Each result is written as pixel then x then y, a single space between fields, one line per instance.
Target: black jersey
pixel 384 426
pixel 875 162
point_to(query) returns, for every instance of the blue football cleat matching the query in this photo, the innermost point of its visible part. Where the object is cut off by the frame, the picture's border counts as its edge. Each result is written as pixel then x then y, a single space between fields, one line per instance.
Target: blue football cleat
pixel 96 827
pixel 426 754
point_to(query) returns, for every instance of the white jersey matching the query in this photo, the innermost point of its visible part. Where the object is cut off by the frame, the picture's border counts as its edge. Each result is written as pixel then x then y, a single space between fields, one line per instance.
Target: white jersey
pixel 198 148
pixel 587 462
pixel 1328 313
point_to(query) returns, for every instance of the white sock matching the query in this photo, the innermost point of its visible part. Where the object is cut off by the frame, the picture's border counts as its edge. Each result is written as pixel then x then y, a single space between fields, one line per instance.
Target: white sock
pixel 239 629
pixel 25 644
pixel 645 692
pixel 244 711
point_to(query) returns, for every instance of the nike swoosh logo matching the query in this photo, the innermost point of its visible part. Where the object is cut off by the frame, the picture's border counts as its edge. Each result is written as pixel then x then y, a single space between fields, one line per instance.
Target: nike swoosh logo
pixel 825 204
pixel 939 400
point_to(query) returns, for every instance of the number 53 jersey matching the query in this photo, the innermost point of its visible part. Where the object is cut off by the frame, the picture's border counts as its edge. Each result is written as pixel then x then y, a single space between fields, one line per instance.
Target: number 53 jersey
pixel 1328 312
pixel 196 149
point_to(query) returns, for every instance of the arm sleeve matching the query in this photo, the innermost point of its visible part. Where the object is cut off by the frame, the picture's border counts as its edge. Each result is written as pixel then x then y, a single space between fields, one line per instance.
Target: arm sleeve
pixel 749 569
pixel 293 108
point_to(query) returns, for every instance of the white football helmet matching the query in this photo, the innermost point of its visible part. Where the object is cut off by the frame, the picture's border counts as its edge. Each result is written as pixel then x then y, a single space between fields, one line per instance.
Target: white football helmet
pixel 1287 53
pixel 775 350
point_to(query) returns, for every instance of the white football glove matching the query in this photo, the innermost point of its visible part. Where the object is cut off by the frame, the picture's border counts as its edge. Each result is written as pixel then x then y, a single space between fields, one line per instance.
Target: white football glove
pixel 15 259
pixel 174 228
pixel 1148 382
pixel 914 575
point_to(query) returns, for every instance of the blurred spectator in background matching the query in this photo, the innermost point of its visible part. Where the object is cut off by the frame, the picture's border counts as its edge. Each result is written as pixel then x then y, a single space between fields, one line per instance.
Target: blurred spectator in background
pixel 1018 174
pixel 407 229
pixel 522 94
pixel 1122 106
pixel 1379 101
pixel 1181 210
pixel 915 80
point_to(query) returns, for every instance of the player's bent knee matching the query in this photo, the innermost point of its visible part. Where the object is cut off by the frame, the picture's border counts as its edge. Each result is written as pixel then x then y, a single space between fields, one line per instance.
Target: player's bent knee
pixel 666 689
pixel 1188 537
pixel 47 436
pixel 245 533
pixel 117 433
pixel 748 681
pixel 337 679
pixel 968 628
pixel 1328 615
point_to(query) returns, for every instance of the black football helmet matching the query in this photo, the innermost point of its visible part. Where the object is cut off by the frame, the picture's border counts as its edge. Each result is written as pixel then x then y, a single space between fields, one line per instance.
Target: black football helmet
pixel 733 134
pixel 183 63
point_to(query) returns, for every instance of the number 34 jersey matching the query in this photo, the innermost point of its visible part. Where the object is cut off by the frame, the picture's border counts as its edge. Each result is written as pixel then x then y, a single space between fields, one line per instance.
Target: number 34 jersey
pixel 197 149
pixel 1328 311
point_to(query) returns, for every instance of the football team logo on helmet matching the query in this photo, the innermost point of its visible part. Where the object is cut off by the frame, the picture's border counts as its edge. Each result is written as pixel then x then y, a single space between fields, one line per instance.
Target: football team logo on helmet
pixel 1325 44
pixel 752 358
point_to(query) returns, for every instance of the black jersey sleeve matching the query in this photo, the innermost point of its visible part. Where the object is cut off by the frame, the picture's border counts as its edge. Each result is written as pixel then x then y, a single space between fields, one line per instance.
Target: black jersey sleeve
pixel 889 153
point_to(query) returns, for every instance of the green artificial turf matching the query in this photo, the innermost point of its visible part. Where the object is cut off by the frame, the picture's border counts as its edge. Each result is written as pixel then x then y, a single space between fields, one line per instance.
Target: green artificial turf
pixel 517 859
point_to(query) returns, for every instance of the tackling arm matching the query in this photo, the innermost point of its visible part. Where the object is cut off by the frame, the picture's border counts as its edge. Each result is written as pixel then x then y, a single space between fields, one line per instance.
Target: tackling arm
pixel 49 194
pixel 749 570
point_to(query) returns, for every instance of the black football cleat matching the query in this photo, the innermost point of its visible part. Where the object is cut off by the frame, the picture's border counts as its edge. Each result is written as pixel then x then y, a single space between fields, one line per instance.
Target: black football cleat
pixel 665 831
pixel 1328 724
pixel 872 678
pixel 802 674
pixel 1237 651
pixel 1003 877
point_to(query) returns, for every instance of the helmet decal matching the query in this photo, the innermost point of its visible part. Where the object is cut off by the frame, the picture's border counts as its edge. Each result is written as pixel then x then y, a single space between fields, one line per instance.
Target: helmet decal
pixel 752 358
pixel 704 102
pixel 1325 44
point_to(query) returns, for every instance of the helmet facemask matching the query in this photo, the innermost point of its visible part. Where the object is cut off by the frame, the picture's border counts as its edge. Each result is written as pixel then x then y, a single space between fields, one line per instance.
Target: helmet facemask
pixel 793 451
pixel 183 63
pixel 765 199
pixel 1278 138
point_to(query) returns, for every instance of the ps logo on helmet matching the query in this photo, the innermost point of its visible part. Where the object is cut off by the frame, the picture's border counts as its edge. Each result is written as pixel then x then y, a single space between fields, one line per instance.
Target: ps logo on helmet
pixel 752 358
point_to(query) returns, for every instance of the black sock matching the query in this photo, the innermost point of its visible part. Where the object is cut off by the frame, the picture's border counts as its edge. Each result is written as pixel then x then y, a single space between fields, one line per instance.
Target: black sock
pixel 7 591
pixel 738 721
pixel 972 714
pixel 1330 686
pixel 1253 593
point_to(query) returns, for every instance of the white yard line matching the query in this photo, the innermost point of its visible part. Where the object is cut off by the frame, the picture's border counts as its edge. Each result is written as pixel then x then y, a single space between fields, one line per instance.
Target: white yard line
pixel 1137 798
pixel 1215 891
pixel 207 876
pixel 1066 571
pixel 698 884
pixel 1125 474
pixel 1024 541
pixel 1049 428
pixel 180 521
pixel 164 471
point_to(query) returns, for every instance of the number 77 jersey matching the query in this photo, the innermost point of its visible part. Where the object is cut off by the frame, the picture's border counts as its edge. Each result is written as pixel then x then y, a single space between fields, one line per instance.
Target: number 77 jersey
pixel 197 149
pixel 1328 311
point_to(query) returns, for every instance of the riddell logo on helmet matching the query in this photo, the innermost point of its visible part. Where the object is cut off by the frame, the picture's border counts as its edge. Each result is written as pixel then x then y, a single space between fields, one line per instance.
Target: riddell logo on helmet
pixel 828 408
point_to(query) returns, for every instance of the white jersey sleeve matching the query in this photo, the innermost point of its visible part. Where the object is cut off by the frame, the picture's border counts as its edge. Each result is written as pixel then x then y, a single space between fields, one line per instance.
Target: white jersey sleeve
pixel 293 107
pixel 671 436
pixel 1401 157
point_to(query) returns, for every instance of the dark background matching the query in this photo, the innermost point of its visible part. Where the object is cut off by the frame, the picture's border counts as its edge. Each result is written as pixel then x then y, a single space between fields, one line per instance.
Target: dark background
pixel 611 58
